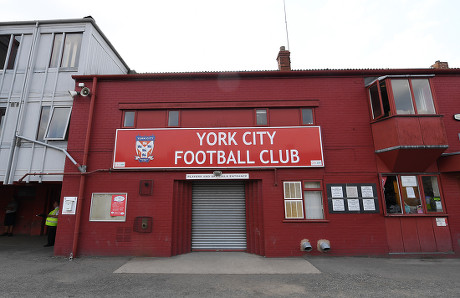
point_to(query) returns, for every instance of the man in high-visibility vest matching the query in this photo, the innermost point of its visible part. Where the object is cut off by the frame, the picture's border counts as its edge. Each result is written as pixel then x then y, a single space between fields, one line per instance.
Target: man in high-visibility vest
pixel 51 223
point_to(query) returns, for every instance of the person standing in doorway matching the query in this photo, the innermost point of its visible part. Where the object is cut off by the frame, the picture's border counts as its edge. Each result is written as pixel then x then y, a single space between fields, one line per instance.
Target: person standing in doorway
pixel 10 217
pixel 51 223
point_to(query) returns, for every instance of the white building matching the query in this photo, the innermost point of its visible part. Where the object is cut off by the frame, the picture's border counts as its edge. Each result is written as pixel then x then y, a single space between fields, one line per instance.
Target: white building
pixel 37 62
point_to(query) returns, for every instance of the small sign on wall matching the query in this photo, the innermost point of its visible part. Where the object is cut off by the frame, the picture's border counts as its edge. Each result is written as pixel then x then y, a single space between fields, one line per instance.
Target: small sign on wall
pixel 118 206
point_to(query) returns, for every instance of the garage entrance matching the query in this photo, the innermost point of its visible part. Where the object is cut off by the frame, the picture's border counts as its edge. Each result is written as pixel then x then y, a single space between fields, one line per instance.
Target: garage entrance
pixel 218 216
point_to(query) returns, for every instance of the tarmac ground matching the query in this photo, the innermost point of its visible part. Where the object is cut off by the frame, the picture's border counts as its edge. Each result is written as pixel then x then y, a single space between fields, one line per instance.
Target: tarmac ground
pixel 30 270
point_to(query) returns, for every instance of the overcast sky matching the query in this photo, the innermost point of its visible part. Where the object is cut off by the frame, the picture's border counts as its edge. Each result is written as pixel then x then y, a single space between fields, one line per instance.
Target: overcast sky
pixel 222 35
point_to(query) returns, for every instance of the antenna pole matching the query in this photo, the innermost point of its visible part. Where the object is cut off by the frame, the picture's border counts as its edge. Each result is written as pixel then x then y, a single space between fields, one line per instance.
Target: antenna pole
pixel 285 21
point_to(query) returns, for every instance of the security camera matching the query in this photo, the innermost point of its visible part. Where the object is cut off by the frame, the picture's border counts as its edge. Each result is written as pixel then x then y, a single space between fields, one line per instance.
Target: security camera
pixel 85 91
pixel 73 93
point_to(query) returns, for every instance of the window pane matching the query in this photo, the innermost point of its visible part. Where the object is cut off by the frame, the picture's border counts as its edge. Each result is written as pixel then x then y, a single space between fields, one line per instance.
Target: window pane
pixel 391 193
pixel 313 205
pixel 312 184
pixel 403 98
pixel 13 52
pixel 128 119
pixel 71 52
pixel 2 118
pixel 44 117
pixel 261 117
pixel 4 43
pixel 423 98
pixel 432 195
pixel 292 190
pixel 173 118
pixel 54 62
pixel 307 116
pixel 375 101
pixel 385 100
pixel 293 209
pixel 411 195
pixel 58 124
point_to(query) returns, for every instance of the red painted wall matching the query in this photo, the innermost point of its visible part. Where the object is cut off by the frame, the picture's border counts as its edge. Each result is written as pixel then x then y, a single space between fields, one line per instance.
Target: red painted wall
pixel 341 109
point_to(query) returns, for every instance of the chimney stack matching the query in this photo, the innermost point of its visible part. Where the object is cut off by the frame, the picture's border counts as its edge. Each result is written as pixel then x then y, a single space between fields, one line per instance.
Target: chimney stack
pixel 440 65
pixel 284 59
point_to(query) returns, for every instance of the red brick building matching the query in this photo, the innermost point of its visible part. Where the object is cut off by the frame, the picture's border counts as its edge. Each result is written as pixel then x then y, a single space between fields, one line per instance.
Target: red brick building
pixel 363 161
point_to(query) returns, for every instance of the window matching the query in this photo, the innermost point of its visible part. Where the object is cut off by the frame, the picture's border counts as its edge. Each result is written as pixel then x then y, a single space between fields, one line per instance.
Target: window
pixel 2 118
pixel 411 194
pixel 307 116
pixel 58 123
pixel 261 117
pixel 6 48
pixel 173 118
pixel 129 118
pixel 66 55
pixel 410 97
pixel 43 123
pixel 303 200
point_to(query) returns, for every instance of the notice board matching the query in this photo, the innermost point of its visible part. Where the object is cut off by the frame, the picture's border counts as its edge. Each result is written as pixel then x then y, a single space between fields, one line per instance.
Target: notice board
pixel 352 198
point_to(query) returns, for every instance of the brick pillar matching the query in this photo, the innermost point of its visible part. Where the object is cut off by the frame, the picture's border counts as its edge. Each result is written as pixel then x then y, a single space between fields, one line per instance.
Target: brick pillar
pixel 440 65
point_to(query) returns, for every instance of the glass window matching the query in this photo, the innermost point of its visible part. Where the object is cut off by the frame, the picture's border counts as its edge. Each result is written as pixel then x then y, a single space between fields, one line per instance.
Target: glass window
pixel 4 46
pixel 423 97
pixel 261 117
pixel 70 50
pixel 402 96
pixel 58 123
pixel 128 118
pixel 57 44
pixel 307 116
pixel 173 118
pixel 391 194
pixel 404 195
pixel 308 200
pixel 293 204
pixel 375 101
pixel 432 195
pixel 2 118
pixel 42 124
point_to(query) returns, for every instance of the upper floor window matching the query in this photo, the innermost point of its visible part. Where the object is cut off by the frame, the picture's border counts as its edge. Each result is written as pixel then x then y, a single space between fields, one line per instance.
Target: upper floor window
pixel 173 118
pixel 261 117
pixel 412 194
pixel 2 118
pixel 307 116
pixel 9 46
pixel 129 118
pixel 58 123
pixel 408 96
pixel 43 123
pixel 66 54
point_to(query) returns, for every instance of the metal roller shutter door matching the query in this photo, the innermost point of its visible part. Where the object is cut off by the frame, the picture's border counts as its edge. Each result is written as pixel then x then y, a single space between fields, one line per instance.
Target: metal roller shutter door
pixel 218 216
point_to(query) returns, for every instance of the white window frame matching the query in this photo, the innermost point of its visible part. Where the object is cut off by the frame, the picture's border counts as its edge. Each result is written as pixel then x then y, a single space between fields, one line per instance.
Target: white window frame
pixel 296 199
pixel 103 201
pixel 61 138
pixel 62 50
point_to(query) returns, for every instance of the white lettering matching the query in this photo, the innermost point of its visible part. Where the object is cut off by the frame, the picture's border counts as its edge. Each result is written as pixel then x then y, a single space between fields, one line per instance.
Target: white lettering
pixel 271 136
pixel 176 156
pixel 261 137
pixel 231 158
pixel 249 161
pixel 200 137
pixel 231 138
pixel 208 139
pixel 271 157
pixel 239 158
pixel 244 138
pixel 222 138
pixel 210 156
pixel 220 157
pixel 261 156
pixel 281 156
pixel 203 160
pixel 294 156
pixel 191 156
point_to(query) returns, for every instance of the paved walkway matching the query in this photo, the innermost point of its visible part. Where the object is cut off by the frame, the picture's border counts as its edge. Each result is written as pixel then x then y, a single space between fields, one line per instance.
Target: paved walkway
pixel 218 263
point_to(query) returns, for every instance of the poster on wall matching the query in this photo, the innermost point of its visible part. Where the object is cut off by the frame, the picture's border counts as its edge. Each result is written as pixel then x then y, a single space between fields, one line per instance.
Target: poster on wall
pixel 252 147
pixel 118 205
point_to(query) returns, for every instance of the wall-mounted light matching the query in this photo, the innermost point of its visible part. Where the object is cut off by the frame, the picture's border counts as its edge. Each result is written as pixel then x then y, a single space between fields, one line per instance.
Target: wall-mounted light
pixel 73 93
pixel 457 117
pixel 217 173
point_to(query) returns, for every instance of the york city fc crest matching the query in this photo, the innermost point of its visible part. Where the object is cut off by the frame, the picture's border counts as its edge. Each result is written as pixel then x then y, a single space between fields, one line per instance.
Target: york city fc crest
pixel 144 148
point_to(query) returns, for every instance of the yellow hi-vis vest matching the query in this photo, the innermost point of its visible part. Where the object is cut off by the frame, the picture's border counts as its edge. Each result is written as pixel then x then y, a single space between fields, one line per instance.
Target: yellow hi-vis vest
pixel 52 221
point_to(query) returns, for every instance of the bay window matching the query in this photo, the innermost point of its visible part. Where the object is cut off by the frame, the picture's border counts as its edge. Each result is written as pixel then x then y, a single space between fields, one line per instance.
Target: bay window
pixel 401 96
